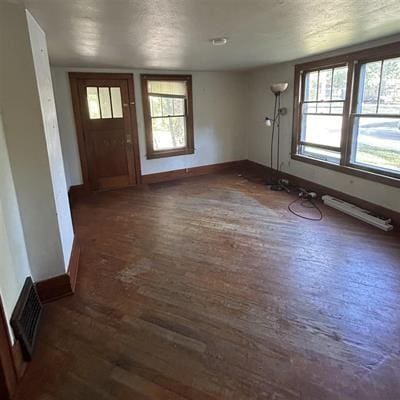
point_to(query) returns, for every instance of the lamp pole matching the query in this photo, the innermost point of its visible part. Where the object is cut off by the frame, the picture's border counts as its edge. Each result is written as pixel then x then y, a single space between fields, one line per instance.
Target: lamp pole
pixel 277 89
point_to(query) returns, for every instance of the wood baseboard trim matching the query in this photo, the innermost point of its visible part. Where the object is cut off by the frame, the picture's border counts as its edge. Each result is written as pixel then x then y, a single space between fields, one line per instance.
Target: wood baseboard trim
pixel 63 285
pixel 194 171
pixel 74 264
pixel 19 362
pixel 265 171
pixel 54 288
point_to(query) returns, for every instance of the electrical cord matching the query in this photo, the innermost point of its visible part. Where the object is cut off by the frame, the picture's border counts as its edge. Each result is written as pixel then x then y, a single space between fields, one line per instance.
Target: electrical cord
pixel 306 203
pixel 305 200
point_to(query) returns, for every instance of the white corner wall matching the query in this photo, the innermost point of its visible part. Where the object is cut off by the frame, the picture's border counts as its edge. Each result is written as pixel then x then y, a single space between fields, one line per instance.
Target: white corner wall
pixel 30 129
pixel 50 125
pixel 261 103
pixel 14 265
pixel 219 126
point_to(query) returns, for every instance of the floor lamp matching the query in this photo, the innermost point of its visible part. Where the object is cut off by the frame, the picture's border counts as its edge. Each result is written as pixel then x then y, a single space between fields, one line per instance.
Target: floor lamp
pixel 277 89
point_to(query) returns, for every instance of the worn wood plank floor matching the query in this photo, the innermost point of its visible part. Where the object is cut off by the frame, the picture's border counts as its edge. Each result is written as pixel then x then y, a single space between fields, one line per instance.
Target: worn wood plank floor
pixel 208 288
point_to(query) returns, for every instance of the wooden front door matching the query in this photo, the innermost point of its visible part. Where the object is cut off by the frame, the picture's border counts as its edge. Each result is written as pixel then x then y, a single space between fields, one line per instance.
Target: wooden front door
pixel 105 115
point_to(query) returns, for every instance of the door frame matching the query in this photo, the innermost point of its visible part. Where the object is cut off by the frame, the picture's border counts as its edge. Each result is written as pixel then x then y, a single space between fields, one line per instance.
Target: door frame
pixel 8 371
pixel 74 78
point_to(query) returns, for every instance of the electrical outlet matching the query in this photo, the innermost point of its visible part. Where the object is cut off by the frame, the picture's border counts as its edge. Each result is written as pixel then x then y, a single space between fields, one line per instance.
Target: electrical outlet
pixel 313 195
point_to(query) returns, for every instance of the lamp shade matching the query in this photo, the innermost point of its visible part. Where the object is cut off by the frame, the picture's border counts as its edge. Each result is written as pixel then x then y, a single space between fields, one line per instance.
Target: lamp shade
pixel 268 121
pixel 279 87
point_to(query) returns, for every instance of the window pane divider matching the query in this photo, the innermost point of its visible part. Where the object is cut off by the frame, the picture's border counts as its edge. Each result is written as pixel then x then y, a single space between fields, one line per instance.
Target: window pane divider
pixel 330 99
pixel 168 116
pixel 323 101
pixel 347 126
pixel 379 89
pixel 376 115
pixel 176 96
pixel 323 114
pixel 320 146
pixel 98 101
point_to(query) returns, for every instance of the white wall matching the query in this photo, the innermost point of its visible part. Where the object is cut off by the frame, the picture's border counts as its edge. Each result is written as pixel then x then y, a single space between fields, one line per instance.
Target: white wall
pixel 219 130
pixel 261 103
pixel 14 266
pixel 27 145
pixel 50 124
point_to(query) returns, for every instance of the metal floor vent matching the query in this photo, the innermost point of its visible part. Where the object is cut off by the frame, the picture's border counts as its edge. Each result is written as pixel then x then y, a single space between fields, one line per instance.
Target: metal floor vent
pixel 25 318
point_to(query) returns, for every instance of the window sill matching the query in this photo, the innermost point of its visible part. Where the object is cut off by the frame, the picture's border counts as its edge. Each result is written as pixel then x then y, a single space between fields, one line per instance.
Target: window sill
pixel 169 153
pixel 350 170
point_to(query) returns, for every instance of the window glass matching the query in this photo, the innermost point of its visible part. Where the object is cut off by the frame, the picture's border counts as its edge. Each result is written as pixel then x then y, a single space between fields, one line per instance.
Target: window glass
pixel 116 102
pixel 105 102
pixel 389 96
pixel 376 137
pixel 93 102
pixel 321 154
pixel 339 83
pixel 325 84
pixel 169 133
pixel 327 117
pixel 370 77
pixel 377 142
pixel 322 112
pixel 155 106
pixel 322 129
pixel 311 86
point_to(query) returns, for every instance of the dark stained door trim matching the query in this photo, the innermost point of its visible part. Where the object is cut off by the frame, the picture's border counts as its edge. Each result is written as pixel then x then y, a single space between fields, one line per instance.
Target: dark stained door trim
pixel 8 373
pixel 75 78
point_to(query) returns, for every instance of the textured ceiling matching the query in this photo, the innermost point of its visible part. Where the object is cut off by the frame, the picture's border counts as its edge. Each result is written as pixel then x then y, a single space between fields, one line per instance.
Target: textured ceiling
pixel 175 34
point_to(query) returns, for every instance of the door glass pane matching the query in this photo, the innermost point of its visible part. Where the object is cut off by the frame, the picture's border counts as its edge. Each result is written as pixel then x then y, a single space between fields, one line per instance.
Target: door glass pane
pixel 322 129
pixel 93 103
pixel 377 142
pixel 169 133
pixel 105 102
pixel 389 99
pixel 116 102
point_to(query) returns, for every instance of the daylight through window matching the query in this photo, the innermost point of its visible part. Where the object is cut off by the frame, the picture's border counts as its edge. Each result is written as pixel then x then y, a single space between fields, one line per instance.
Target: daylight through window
pixel 167 107
pixel 347 113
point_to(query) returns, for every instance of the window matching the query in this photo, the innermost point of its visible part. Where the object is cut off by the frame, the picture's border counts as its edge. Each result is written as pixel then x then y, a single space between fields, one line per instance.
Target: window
pixel 322 113
pixel 104 102
pixel 347 113
pixel 376 127
pixel 168 115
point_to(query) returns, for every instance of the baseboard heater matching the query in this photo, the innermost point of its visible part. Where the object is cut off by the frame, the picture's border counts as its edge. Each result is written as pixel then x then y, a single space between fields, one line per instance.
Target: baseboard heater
pixel 357 212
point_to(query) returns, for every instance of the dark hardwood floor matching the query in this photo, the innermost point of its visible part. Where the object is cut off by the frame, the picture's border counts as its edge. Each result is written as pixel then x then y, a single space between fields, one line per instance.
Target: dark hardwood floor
pixel 208 288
